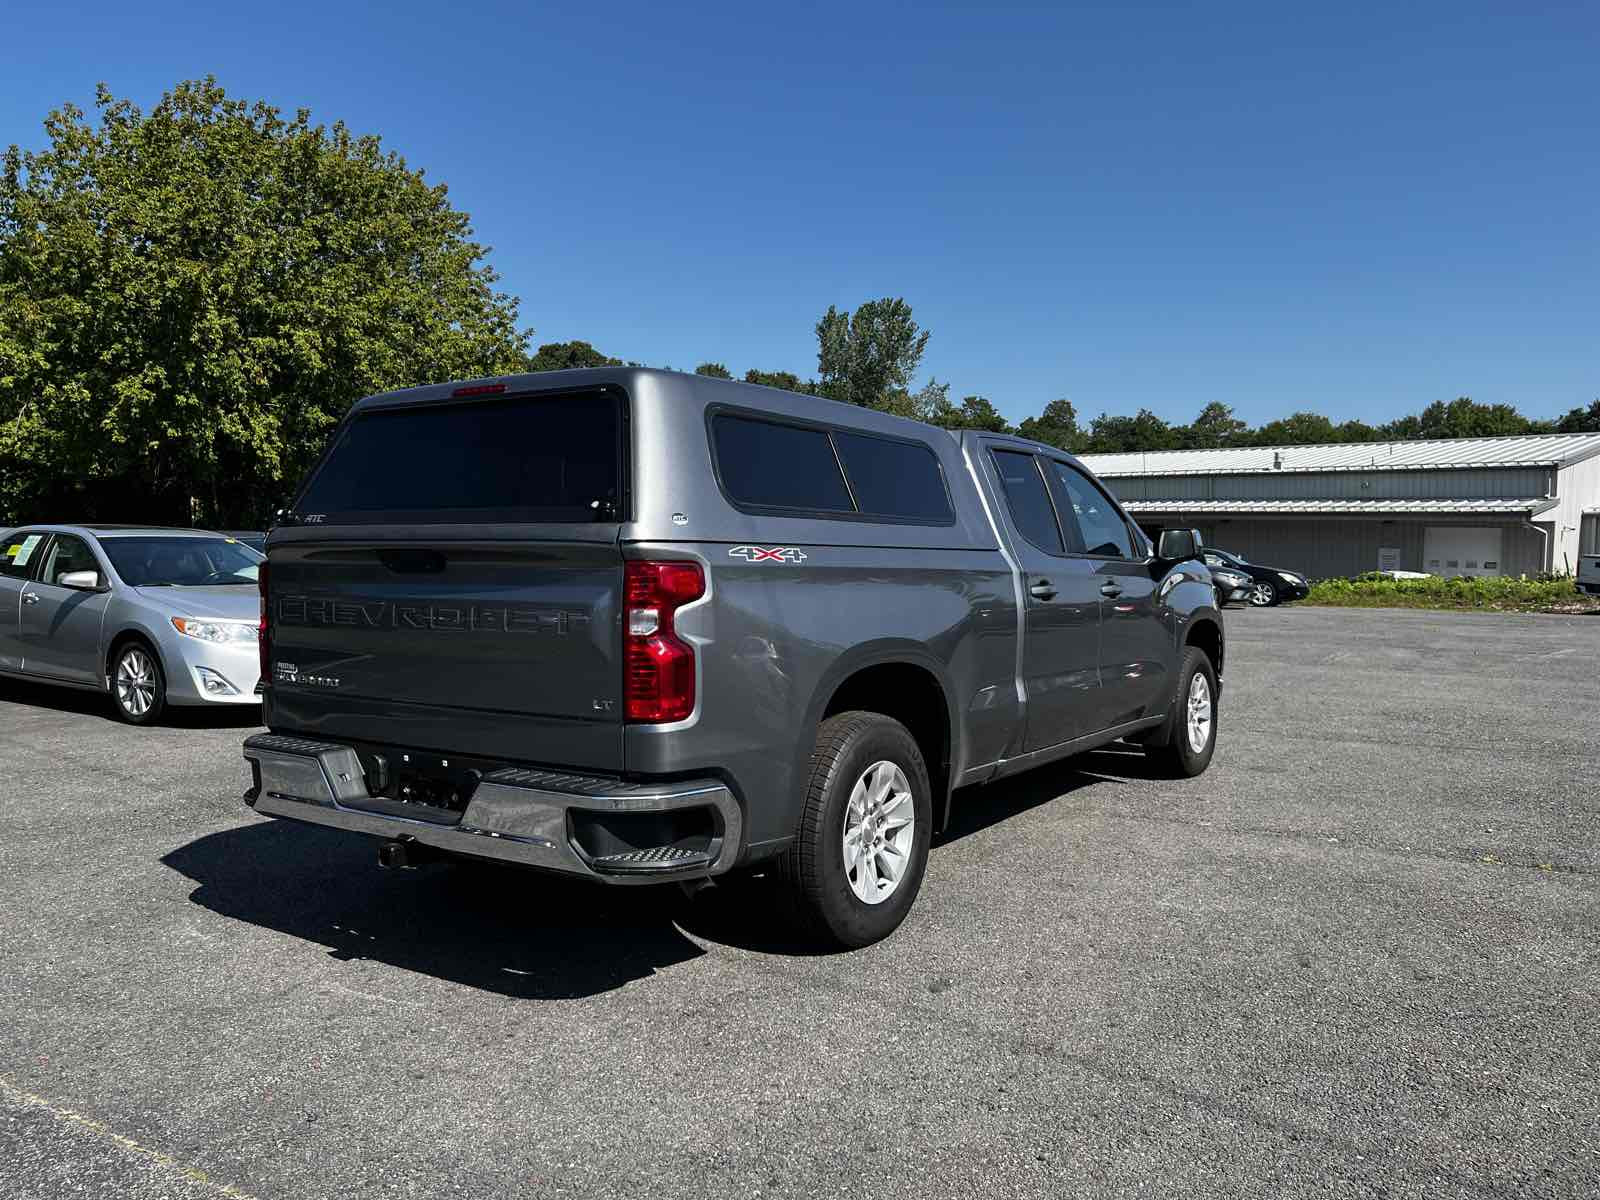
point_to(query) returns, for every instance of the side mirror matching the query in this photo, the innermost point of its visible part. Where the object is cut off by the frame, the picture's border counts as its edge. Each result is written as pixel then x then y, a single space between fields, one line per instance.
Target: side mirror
pixel 1177 544
pixel 84 581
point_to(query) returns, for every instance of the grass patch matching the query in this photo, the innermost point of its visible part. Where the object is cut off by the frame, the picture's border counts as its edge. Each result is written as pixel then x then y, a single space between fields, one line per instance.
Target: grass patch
pixel 1541 594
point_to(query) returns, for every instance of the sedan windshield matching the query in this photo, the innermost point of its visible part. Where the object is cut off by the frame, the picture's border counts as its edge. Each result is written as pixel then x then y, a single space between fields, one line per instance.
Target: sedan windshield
pixel 182 561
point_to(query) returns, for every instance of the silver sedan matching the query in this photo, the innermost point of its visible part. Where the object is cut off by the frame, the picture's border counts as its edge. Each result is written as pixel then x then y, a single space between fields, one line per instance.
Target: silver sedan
pixel 151 616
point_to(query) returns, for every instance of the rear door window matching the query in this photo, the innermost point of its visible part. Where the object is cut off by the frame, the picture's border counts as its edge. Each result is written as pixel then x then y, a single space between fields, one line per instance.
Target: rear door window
pixel 540 458
pixel 18 555
pixel 1028 500
pixel 767 465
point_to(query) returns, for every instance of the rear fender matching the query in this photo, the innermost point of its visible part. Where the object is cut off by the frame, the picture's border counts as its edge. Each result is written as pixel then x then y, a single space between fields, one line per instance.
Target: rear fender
pixel 880 653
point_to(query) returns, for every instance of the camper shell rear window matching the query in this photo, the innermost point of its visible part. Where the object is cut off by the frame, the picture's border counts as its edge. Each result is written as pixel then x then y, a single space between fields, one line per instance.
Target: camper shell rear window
pixel 544 457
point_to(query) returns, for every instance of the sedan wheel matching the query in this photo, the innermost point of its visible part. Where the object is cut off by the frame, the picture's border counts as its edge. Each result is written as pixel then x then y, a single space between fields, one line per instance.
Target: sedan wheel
pixel 137 686
pixel 1263 594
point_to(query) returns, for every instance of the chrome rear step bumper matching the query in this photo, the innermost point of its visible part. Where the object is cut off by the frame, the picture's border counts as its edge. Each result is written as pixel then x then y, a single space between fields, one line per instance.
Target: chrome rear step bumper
pixel 515 815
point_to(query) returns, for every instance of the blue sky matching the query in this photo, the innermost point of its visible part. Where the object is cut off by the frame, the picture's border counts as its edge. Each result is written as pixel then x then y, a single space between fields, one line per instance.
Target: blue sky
pixel 1351 209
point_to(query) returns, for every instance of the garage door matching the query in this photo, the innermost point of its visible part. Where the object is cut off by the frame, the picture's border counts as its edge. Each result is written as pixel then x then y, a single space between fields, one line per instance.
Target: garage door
pixel 1451 550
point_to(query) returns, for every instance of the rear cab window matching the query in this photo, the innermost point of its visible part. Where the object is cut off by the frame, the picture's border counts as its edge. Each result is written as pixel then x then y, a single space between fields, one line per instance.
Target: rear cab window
pixel 776 466
pixel 1028 499
pixel 533 458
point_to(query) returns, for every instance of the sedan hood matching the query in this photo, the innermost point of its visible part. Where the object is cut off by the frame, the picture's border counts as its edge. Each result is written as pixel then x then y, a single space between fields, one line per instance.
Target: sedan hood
pixel 233 602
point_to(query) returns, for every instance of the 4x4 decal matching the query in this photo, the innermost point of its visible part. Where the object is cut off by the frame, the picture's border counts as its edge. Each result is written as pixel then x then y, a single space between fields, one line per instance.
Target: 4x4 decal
pixel 755 554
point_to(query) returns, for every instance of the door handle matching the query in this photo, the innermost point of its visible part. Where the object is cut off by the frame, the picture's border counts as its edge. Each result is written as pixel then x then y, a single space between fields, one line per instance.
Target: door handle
pixel 1111 590
pixel 1042 589
pixel 30 597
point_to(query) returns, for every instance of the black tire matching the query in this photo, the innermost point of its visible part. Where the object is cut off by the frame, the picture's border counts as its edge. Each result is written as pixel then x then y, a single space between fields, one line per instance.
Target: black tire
pixel 141 660
pixel 823 903
pixel 1173 750
pixel 1263 593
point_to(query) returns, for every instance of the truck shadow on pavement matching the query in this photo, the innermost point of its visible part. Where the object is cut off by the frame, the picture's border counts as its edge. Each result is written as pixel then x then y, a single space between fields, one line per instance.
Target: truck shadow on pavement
pixel 520 933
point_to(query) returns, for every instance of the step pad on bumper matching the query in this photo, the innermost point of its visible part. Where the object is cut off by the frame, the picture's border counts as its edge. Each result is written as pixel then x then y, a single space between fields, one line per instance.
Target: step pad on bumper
pixel 657 858
pixel 516 814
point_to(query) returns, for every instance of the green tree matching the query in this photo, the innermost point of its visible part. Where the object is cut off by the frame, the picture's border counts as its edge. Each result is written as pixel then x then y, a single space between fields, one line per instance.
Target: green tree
pixel 870 356
pixel 930 403
pixel 1464 417
pixel 1357 431
pixel 1401 429
pixel 1580 420
pixel 1056 426
pixel 975 413
pixel 191 298
pixel 787 380
pixel 567 356
pixel 1215 427
pixel 1146 431
pixel 713 370
pixel 1297 429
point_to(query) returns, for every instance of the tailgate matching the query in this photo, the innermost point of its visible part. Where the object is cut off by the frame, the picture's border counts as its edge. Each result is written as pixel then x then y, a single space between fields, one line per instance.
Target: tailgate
pixel 450 578
pixel 506 649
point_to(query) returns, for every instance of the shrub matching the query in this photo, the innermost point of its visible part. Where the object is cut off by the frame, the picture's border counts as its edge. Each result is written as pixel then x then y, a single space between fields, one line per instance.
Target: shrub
pixel 1379 591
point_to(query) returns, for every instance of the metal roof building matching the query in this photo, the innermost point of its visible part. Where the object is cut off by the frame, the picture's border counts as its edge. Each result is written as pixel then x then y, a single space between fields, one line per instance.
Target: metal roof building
pixel 1463 506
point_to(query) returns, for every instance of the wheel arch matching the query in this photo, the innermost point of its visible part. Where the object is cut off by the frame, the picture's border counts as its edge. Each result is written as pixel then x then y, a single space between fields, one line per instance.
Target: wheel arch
pixel 1206 634
pixel 115 643
pixel 900 680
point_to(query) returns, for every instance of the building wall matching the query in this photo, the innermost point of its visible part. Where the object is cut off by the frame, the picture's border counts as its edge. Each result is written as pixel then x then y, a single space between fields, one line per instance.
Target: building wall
pixel 1322 548
pixel 1578 492
pixel 1487 483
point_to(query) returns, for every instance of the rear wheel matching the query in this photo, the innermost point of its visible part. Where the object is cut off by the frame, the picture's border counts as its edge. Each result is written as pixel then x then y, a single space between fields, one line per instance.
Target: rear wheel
pixel 861 848
pixel 1189 738
pixel 138 686
pixel 1263 594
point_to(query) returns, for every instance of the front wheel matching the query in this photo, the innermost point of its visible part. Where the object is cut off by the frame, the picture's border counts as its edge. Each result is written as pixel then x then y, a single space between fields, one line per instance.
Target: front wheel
pixel 1263 594
pixel 1189 738
pixel 862 843
pixel 138 687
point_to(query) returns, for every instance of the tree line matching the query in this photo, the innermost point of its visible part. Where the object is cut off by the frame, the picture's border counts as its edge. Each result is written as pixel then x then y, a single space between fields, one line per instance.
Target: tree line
pixel 192 297
pixel 870 357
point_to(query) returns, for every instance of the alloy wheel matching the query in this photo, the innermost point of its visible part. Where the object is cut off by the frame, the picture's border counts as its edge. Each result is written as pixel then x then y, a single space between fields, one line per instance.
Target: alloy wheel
pixel 1262 594
pixel 880 825
pixel 1197 719
pixel 136 682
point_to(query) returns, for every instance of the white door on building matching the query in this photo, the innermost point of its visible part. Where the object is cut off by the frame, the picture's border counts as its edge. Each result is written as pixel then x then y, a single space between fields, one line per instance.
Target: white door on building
pixel 1451 550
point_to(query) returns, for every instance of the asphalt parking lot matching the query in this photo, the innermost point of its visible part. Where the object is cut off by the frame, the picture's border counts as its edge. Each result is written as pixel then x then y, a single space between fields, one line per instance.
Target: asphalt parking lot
pixel 1361 956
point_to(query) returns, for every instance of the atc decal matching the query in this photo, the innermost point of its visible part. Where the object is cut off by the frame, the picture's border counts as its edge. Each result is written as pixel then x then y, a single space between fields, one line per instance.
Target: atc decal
pixel 779 554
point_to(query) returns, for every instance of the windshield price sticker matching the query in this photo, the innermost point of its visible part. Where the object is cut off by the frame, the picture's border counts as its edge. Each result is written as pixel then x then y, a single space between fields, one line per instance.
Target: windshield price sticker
pixel 25 551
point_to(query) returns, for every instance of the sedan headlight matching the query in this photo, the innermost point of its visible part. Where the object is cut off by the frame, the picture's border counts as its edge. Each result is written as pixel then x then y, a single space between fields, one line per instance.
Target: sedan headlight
pixel 1288 578
pixel 208 629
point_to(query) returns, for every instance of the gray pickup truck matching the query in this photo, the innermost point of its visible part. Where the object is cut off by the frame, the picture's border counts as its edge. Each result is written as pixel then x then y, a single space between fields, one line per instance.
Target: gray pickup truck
pixel 637 627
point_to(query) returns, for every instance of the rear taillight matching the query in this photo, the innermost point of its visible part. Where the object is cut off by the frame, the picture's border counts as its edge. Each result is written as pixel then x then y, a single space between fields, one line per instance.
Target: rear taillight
pixel 660 667
pixel 263 628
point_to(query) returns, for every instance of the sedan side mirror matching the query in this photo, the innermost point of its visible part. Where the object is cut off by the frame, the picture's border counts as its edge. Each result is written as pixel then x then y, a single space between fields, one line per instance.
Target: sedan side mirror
pixel 84 581
pixel 1177 544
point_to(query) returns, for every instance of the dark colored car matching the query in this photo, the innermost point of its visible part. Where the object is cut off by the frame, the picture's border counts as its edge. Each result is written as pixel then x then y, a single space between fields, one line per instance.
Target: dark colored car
pixel 641 627
pixel 1270 585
